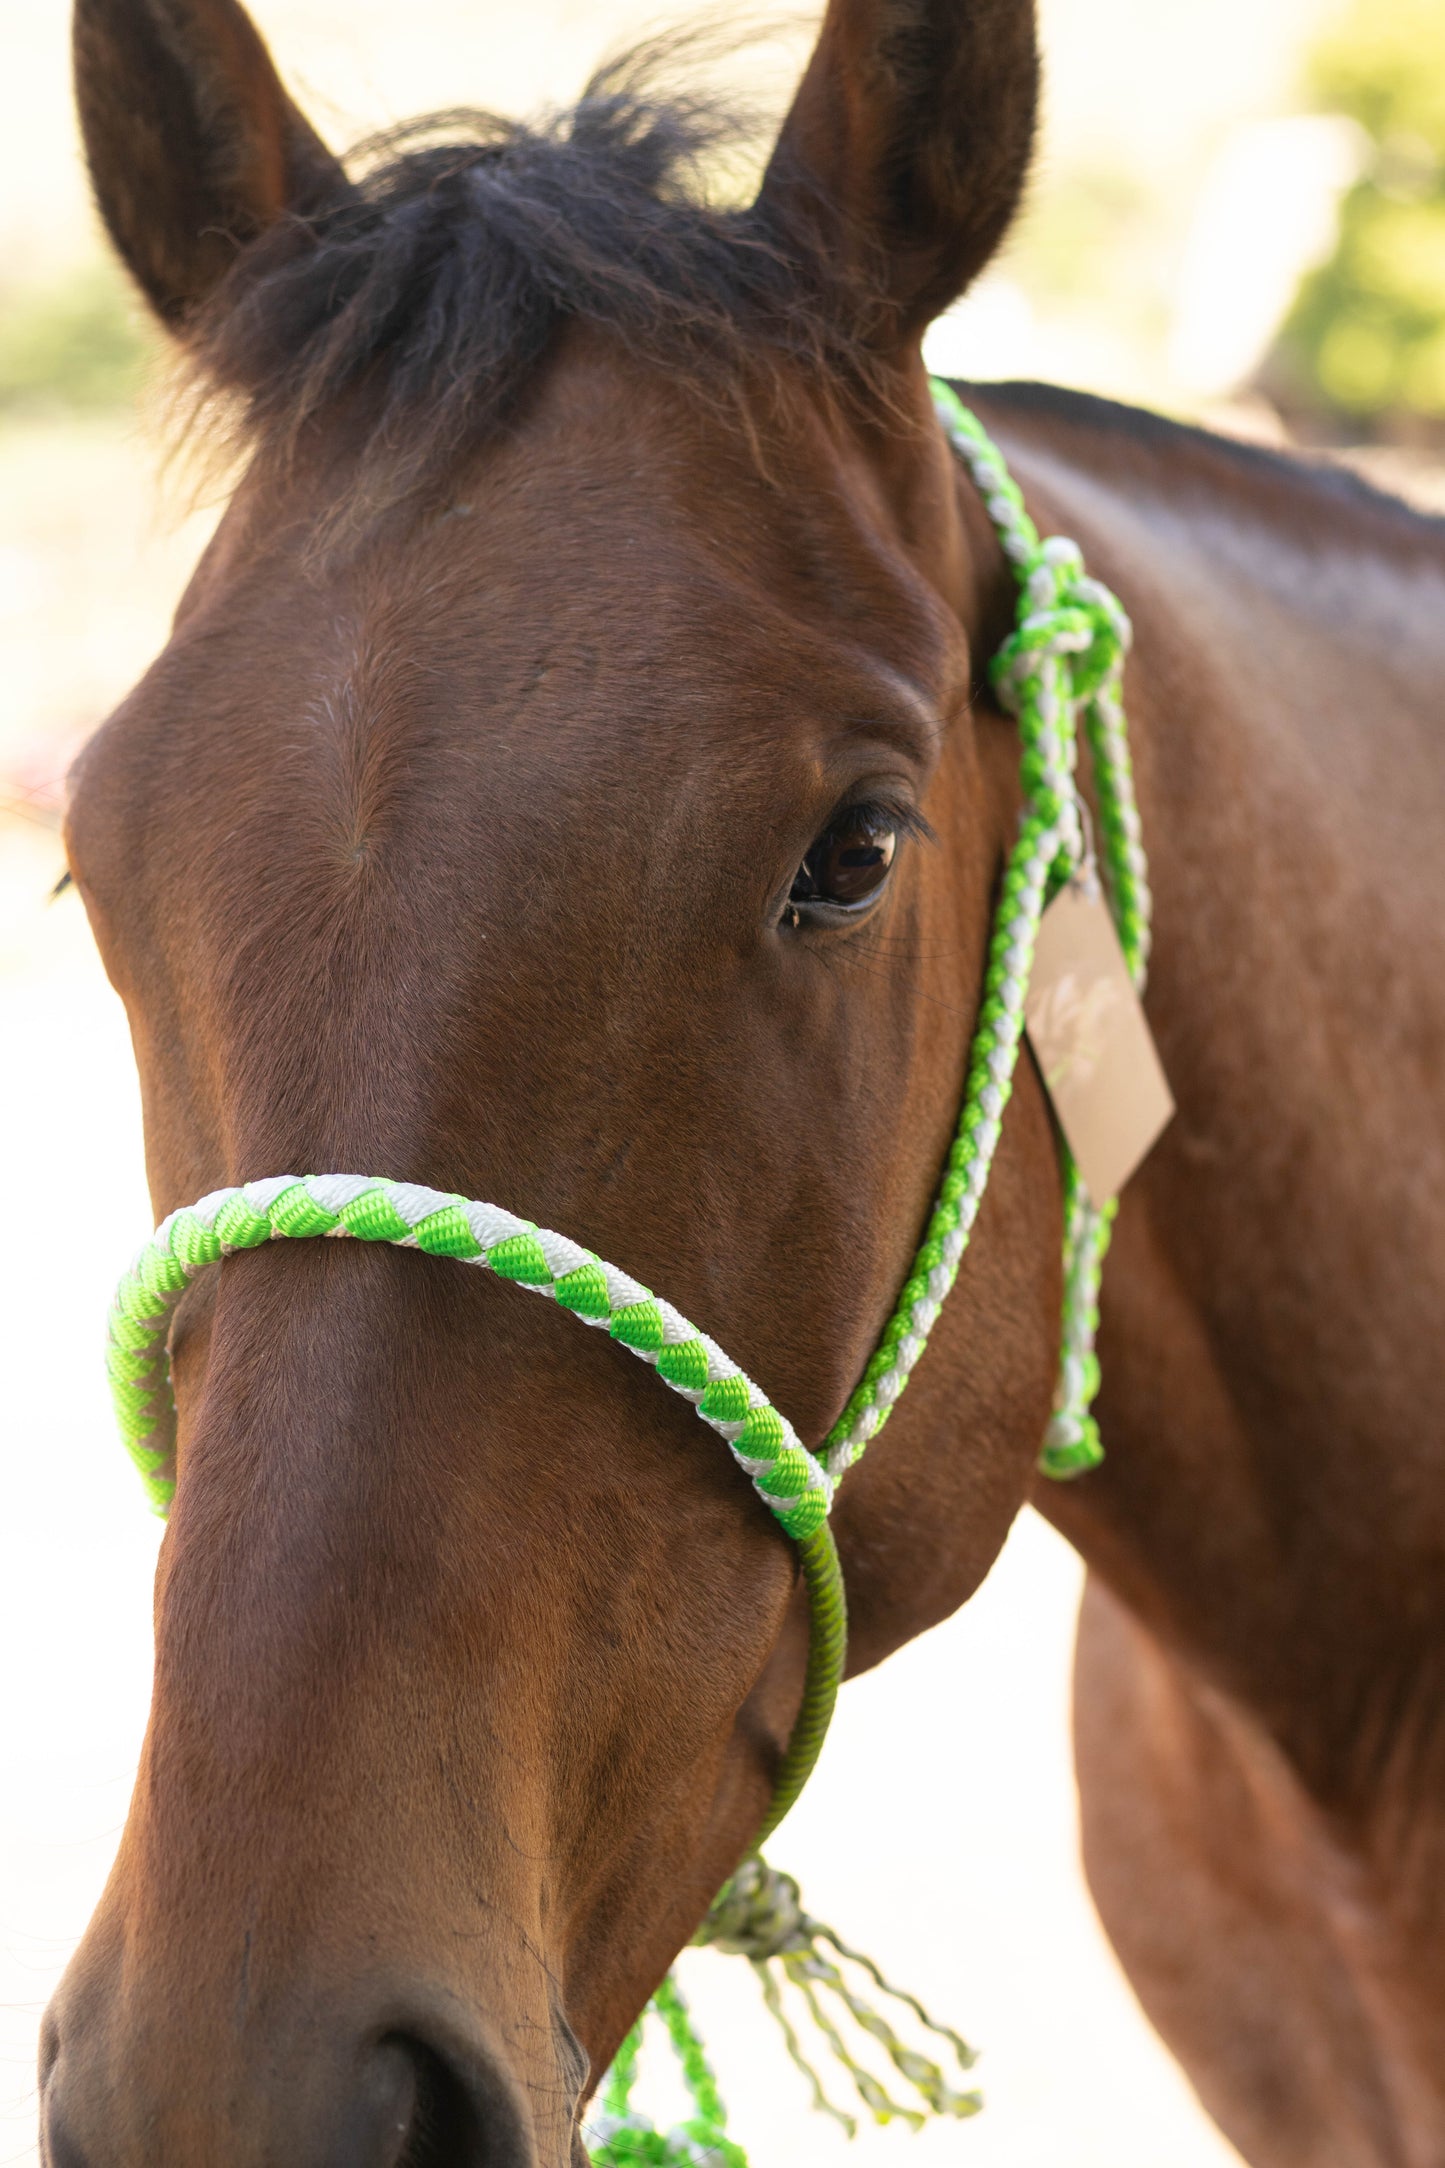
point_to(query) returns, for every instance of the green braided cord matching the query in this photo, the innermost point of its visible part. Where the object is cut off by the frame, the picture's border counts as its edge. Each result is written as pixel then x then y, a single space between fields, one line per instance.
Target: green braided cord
pixel 1126 871
pixel 783 1472
pixel 990 1083
pixel 1060 671
pixel 620 2138
pixel 827 1651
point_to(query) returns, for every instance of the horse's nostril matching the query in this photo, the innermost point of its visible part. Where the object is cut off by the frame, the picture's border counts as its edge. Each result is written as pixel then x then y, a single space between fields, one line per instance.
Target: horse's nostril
pixel 374 2125
pixel 58 2148
pixel 443 2131
pixel 390 2101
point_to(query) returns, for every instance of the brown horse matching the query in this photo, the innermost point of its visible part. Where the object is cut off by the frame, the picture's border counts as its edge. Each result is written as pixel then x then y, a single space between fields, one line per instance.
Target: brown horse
pixel 597 563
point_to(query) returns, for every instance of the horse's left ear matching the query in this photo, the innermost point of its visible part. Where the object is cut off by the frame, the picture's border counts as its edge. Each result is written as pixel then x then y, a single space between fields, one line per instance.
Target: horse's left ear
pixel 907 147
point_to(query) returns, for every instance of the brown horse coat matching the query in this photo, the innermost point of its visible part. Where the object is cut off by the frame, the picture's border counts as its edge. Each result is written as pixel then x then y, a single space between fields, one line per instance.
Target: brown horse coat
pixel 597 555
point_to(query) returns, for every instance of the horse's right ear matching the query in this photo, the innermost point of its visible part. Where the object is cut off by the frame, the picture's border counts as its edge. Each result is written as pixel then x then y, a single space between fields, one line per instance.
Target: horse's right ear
pixel 194 147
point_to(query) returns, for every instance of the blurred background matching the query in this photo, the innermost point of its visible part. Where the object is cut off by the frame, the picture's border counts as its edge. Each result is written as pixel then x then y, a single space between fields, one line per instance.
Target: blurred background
pixel 1238 215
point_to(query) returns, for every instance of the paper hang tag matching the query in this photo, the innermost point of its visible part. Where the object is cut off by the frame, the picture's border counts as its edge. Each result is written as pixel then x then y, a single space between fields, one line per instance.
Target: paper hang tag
pixel 1092 1044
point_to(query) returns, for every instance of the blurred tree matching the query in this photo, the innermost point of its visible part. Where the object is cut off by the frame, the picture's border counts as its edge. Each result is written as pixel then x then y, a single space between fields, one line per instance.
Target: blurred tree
pixel 74 345
pixel 1365 340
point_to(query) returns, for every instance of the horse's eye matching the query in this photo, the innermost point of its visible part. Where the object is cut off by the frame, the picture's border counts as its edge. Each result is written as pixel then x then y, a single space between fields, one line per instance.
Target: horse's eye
pixel 849 863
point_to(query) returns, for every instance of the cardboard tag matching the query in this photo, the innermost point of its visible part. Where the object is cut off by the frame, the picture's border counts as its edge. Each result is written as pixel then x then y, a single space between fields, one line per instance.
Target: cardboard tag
pixel 1092 1044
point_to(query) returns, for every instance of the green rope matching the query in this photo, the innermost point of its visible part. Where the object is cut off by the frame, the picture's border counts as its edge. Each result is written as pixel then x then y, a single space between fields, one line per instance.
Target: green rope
pixel 760 1916
pixel 367 1208
pixel 619 2138
pixel 827 1653
pixel 1060 674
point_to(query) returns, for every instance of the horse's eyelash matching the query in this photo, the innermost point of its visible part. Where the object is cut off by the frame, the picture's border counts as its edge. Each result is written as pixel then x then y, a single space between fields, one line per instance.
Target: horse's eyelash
pixel 895 813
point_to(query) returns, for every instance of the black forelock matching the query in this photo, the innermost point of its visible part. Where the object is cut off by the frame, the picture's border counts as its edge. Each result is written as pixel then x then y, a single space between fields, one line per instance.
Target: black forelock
pixel 431 290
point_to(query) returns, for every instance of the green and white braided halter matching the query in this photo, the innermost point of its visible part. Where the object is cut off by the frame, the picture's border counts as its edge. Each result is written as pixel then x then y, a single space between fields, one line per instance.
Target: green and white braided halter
pixel 1060 672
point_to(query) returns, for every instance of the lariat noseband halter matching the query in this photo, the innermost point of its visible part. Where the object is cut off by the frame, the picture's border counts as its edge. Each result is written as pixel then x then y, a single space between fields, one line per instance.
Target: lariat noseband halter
pixel 1060 672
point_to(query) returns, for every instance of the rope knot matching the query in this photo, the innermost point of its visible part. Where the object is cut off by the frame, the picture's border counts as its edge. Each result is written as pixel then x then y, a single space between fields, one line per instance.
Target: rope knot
pixel 759 1914
pixel 1109 633
pixel 1067 617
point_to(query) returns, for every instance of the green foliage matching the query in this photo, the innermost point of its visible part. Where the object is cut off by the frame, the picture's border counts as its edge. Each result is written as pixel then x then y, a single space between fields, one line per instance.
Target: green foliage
pixel 1366 337
pixel 1077 228
pixel 73 345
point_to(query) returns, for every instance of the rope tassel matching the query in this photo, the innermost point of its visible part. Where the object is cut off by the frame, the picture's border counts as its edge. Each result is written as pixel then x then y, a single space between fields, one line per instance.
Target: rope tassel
pixel 760 1916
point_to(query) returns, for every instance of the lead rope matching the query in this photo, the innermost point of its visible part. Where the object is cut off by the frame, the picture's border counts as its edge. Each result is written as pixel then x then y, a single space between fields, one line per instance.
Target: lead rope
pixel 1059 673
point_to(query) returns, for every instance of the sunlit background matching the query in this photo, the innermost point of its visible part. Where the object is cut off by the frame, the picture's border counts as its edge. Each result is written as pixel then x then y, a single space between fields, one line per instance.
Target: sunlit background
pixel 1239 214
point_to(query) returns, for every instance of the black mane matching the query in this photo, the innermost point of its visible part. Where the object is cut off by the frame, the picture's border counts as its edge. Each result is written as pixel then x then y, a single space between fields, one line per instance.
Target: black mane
pixel 431 290
pixel 1296 466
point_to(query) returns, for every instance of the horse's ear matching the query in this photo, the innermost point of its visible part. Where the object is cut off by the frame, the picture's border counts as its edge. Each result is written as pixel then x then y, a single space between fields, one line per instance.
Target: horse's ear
pixel 908 145
pixel 194 147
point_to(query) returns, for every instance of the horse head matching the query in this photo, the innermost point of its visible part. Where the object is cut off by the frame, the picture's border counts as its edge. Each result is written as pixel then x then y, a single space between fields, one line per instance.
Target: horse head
pixel 566 784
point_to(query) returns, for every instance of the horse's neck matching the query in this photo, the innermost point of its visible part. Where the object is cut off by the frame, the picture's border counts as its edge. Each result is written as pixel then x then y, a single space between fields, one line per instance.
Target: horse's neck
pixel 1274 1496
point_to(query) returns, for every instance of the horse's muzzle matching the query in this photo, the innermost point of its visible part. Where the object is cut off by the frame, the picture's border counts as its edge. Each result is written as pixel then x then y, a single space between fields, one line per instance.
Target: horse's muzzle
pixel 393 2099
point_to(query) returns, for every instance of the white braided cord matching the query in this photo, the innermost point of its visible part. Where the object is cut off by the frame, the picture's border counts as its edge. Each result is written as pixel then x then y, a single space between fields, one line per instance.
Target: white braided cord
pixel 785 1474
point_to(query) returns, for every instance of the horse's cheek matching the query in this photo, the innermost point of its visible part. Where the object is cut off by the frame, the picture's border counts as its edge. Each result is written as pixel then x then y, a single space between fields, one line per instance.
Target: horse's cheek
pixel 925 1514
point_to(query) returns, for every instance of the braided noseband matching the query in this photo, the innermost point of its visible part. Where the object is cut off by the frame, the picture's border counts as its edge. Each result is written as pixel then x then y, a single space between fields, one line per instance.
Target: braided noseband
pixel 1059 672
pixel 785 1475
